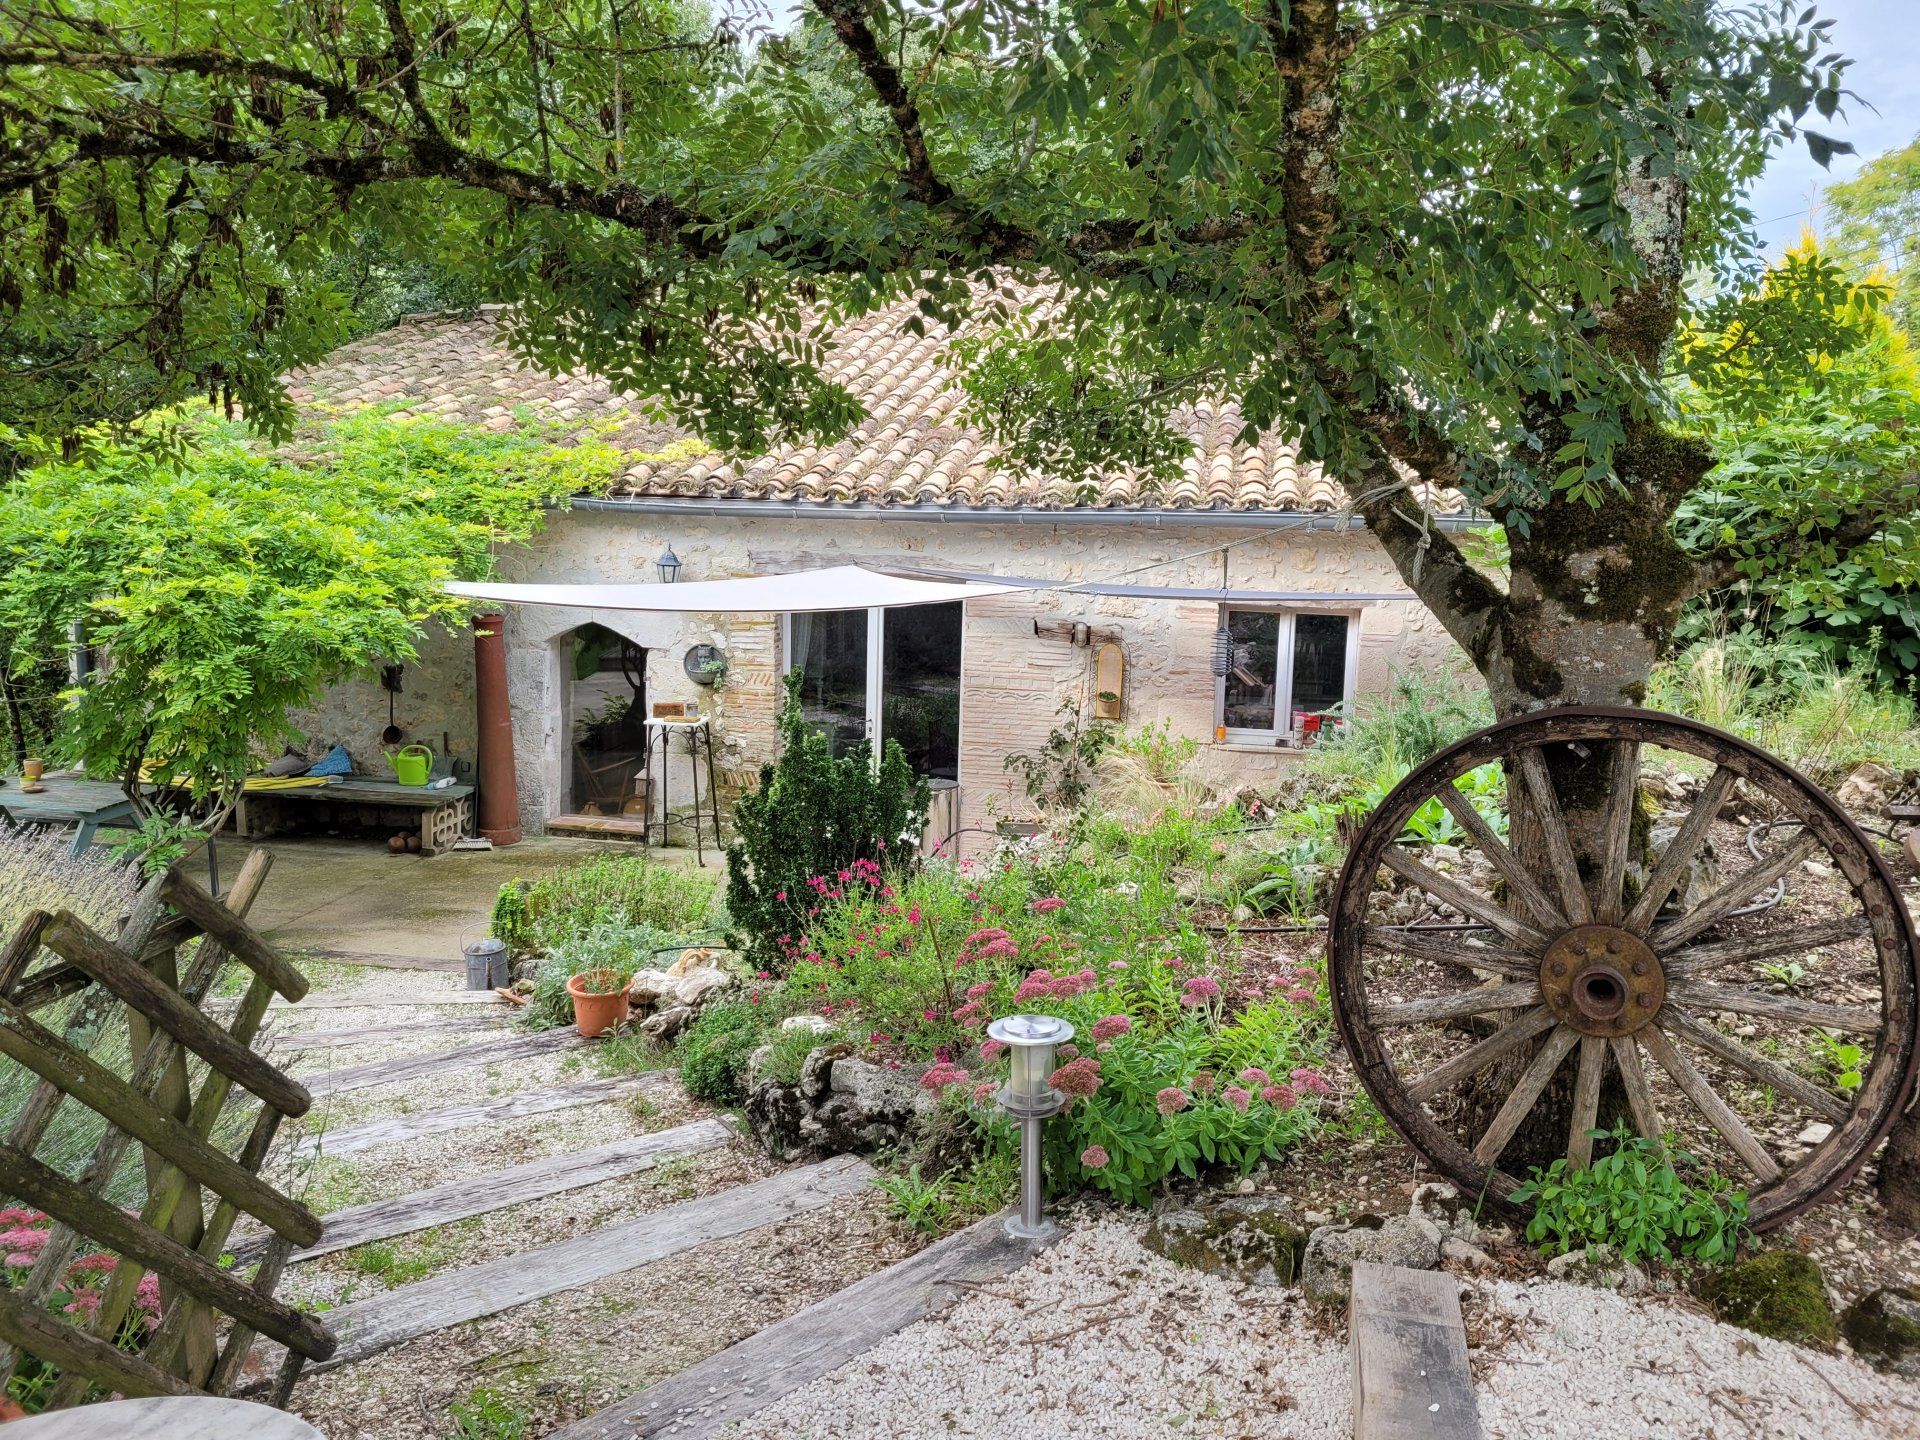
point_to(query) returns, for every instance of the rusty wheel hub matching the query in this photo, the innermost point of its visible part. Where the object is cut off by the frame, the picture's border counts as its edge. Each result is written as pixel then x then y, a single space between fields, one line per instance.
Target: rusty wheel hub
pixel 1602 980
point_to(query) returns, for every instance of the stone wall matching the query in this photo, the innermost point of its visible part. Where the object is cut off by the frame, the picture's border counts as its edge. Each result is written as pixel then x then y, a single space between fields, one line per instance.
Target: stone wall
pixel 1014 681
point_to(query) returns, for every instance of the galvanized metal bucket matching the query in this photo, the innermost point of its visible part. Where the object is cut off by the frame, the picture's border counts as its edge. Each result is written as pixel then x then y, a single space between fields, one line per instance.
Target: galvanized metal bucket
pixel 487 965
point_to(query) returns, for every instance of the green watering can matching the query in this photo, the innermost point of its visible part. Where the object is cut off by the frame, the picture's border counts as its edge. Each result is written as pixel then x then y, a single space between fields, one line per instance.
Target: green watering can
pixel 412 764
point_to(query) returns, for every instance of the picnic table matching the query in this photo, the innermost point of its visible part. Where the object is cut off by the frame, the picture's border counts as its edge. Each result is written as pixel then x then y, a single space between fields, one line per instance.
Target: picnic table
pixel 84 804
pixel 442 815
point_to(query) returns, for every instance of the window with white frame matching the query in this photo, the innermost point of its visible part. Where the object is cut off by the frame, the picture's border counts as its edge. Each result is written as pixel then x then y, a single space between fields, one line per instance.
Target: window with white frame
pixel 1284 666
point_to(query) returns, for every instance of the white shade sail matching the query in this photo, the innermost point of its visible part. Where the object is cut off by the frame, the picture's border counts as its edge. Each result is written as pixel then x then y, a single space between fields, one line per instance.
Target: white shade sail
pixel 843 587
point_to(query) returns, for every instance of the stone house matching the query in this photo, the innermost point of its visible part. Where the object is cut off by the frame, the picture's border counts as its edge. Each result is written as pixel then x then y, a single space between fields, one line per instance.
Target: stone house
pixel 1247 541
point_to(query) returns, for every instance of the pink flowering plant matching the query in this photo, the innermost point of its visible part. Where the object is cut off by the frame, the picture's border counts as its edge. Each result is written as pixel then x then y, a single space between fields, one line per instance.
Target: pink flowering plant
pixel 76 1298
pixel 1180 1060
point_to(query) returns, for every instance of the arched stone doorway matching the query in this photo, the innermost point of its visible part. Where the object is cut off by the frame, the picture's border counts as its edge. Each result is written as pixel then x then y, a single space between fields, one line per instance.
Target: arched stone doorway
pixel 604 707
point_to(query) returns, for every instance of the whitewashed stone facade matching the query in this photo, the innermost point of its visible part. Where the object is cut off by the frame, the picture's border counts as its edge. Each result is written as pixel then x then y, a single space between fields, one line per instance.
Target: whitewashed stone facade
pixel 1013 681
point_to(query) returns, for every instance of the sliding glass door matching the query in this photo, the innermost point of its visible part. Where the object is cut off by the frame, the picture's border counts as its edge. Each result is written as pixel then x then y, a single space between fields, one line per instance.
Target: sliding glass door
pixel 884 675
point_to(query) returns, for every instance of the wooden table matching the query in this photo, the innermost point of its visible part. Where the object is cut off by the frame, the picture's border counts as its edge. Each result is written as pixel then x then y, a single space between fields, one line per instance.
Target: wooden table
pixel 84 804
pixel 172 1418
pixel 443 815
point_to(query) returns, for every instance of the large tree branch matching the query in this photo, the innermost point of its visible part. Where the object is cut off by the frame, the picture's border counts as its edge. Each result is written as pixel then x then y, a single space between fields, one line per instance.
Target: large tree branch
pixel 1311 48
pixel 851 26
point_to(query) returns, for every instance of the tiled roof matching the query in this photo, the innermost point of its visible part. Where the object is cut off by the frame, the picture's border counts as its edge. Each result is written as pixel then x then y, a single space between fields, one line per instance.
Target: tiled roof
pixel 913 446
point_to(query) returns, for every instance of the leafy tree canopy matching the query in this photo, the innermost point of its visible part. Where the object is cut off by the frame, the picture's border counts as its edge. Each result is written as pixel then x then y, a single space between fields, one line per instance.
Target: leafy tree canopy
pixel 228 586
pixel 1432 240
pixel 1879 215
pixel 1813 509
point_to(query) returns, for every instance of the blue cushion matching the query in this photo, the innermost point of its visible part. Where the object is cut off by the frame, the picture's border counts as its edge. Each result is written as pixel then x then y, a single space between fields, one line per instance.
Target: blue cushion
pixel 335 762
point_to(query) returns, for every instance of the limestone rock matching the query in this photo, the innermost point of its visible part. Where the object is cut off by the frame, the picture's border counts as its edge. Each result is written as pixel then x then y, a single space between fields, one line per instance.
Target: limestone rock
pixel 1244 1237
pixel 1865 790
pixel 1600 1266
pixel 694 980
pixel 1460 1252
pixel 1883 1327
pixel 1777 1292
pixel 816 1024
pixel 668 1025
pixel 1412 1241
pixel 1699 879
pixel 840 1105
pixel 1442 1204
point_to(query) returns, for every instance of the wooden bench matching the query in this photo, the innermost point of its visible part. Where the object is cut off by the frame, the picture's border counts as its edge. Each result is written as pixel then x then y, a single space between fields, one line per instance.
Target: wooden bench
pixel 442 816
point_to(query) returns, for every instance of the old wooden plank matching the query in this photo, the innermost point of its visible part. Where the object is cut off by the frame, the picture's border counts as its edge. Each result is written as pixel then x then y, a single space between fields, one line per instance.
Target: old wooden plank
pixel 435 1062
pixel 1411 1380
pixel 381 961
pixel 379 1002
pixel 36 1330
pixel 73 940
pixel 442 1204
pixel 381 1321
pixel 725 1389
pixel 342 1039
pixel 397 1129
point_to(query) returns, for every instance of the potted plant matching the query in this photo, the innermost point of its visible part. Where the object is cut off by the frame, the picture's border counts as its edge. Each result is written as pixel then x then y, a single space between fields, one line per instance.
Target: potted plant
pixel 599 1000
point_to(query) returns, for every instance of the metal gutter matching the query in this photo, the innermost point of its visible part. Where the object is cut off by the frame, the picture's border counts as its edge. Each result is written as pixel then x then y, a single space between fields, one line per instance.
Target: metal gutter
pixel 1332 599
pixel 1167 517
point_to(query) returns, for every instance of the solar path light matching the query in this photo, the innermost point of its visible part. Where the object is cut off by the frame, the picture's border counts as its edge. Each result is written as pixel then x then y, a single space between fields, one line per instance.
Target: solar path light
pixel 1028 1098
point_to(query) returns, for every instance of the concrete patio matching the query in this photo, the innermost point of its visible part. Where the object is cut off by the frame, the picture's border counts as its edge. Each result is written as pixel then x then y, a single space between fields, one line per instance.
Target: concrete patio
pixel 347 900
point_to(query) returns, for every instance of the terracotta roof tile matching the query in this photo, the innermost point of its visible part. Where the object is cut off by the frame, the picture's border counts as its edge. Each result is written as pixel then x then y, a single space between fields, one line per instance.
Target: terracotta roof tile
pixel 912 447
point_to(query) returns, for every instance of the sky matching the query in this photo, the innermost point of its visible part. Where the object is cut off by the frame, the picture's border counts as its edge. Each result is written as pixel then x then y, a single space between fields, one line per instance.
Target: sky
pixel 1882 38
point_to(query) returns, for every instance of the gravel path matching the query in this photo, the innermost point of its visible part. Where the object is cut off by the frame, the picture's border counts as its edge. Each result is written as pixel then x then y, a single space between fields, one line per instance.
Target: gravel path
pixel 1100 1338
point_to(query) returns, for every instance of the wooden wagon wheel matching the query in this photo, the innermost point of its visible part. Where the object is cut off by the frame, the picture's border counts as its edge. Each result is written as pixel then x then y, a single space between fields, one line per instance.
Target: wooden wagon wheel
pixel 1512 965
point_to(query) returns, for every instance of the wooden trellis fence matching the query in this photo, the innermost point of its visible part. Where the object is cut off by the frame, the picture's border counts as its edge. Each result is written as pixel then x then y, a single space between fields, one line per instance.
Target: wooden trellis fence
pixel 210 1315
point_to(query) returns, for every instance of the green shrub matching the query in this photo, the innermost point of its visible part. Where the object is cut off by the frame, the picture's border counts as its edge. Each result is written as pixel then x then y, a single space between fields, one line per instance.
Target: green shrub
pixel 566 903
pixel 509 921
pixel 1635 1200
pixel 713 1057
pixel 815 815
pixel 1422 714
pixel 612 943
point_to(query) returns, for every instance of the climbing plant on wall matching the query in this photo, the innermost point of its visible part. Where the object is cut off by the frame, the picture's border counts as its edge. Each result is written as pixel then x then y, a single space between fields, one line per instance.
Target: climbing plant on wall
pixel 226 585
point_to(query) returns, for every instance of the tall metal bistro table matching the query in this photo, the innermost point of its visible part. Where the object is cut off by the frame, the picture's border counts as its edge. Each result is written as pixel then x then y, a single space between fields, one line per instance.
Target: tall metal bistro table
pixel 699 735
pixel 84 804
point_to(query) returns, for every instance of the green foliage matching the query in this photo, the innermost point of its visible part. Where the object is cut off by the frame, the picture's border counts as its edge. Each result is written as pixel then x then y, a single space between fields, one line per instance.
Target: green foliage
pixel 1841 1059
pixel 234 586
pixel 1633 1198
pixel 156 842
pixel 1422 713
pixel 1787 697
pixel 686 248
pixel 815 815
pixel 1813 510
pixel 714 1054
pixel 1060 773
pixel 488 1415
pixel 509 921
pixel 610 943
pixel 630 889
pixel 922 1205
pixel 1878 211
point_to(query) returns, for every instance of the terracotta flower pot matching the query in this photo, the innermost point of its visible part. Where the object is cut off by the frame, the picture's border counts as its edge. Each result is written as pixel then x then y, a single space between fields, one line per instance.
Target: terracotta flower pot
pixel 595 1014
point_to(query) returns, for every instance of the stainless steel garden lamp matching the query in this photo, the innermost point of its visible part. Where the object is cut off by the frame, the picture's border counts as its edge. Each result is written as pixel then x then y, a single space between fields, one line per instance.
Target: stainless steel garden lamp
pixel 1028 1098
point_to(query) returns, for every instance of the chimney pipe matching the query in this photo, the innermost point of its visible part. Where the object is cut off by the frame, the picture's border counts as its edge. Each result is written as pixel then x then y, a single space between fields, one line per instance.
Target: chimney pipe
pixel 499 818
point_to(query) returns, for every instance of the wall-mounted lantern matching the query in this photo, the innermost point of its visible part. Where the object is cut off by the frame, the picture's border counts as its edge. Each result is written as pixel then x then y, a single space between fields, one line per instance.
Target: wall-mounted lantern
pixel 669 564
pixel 1028 1098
